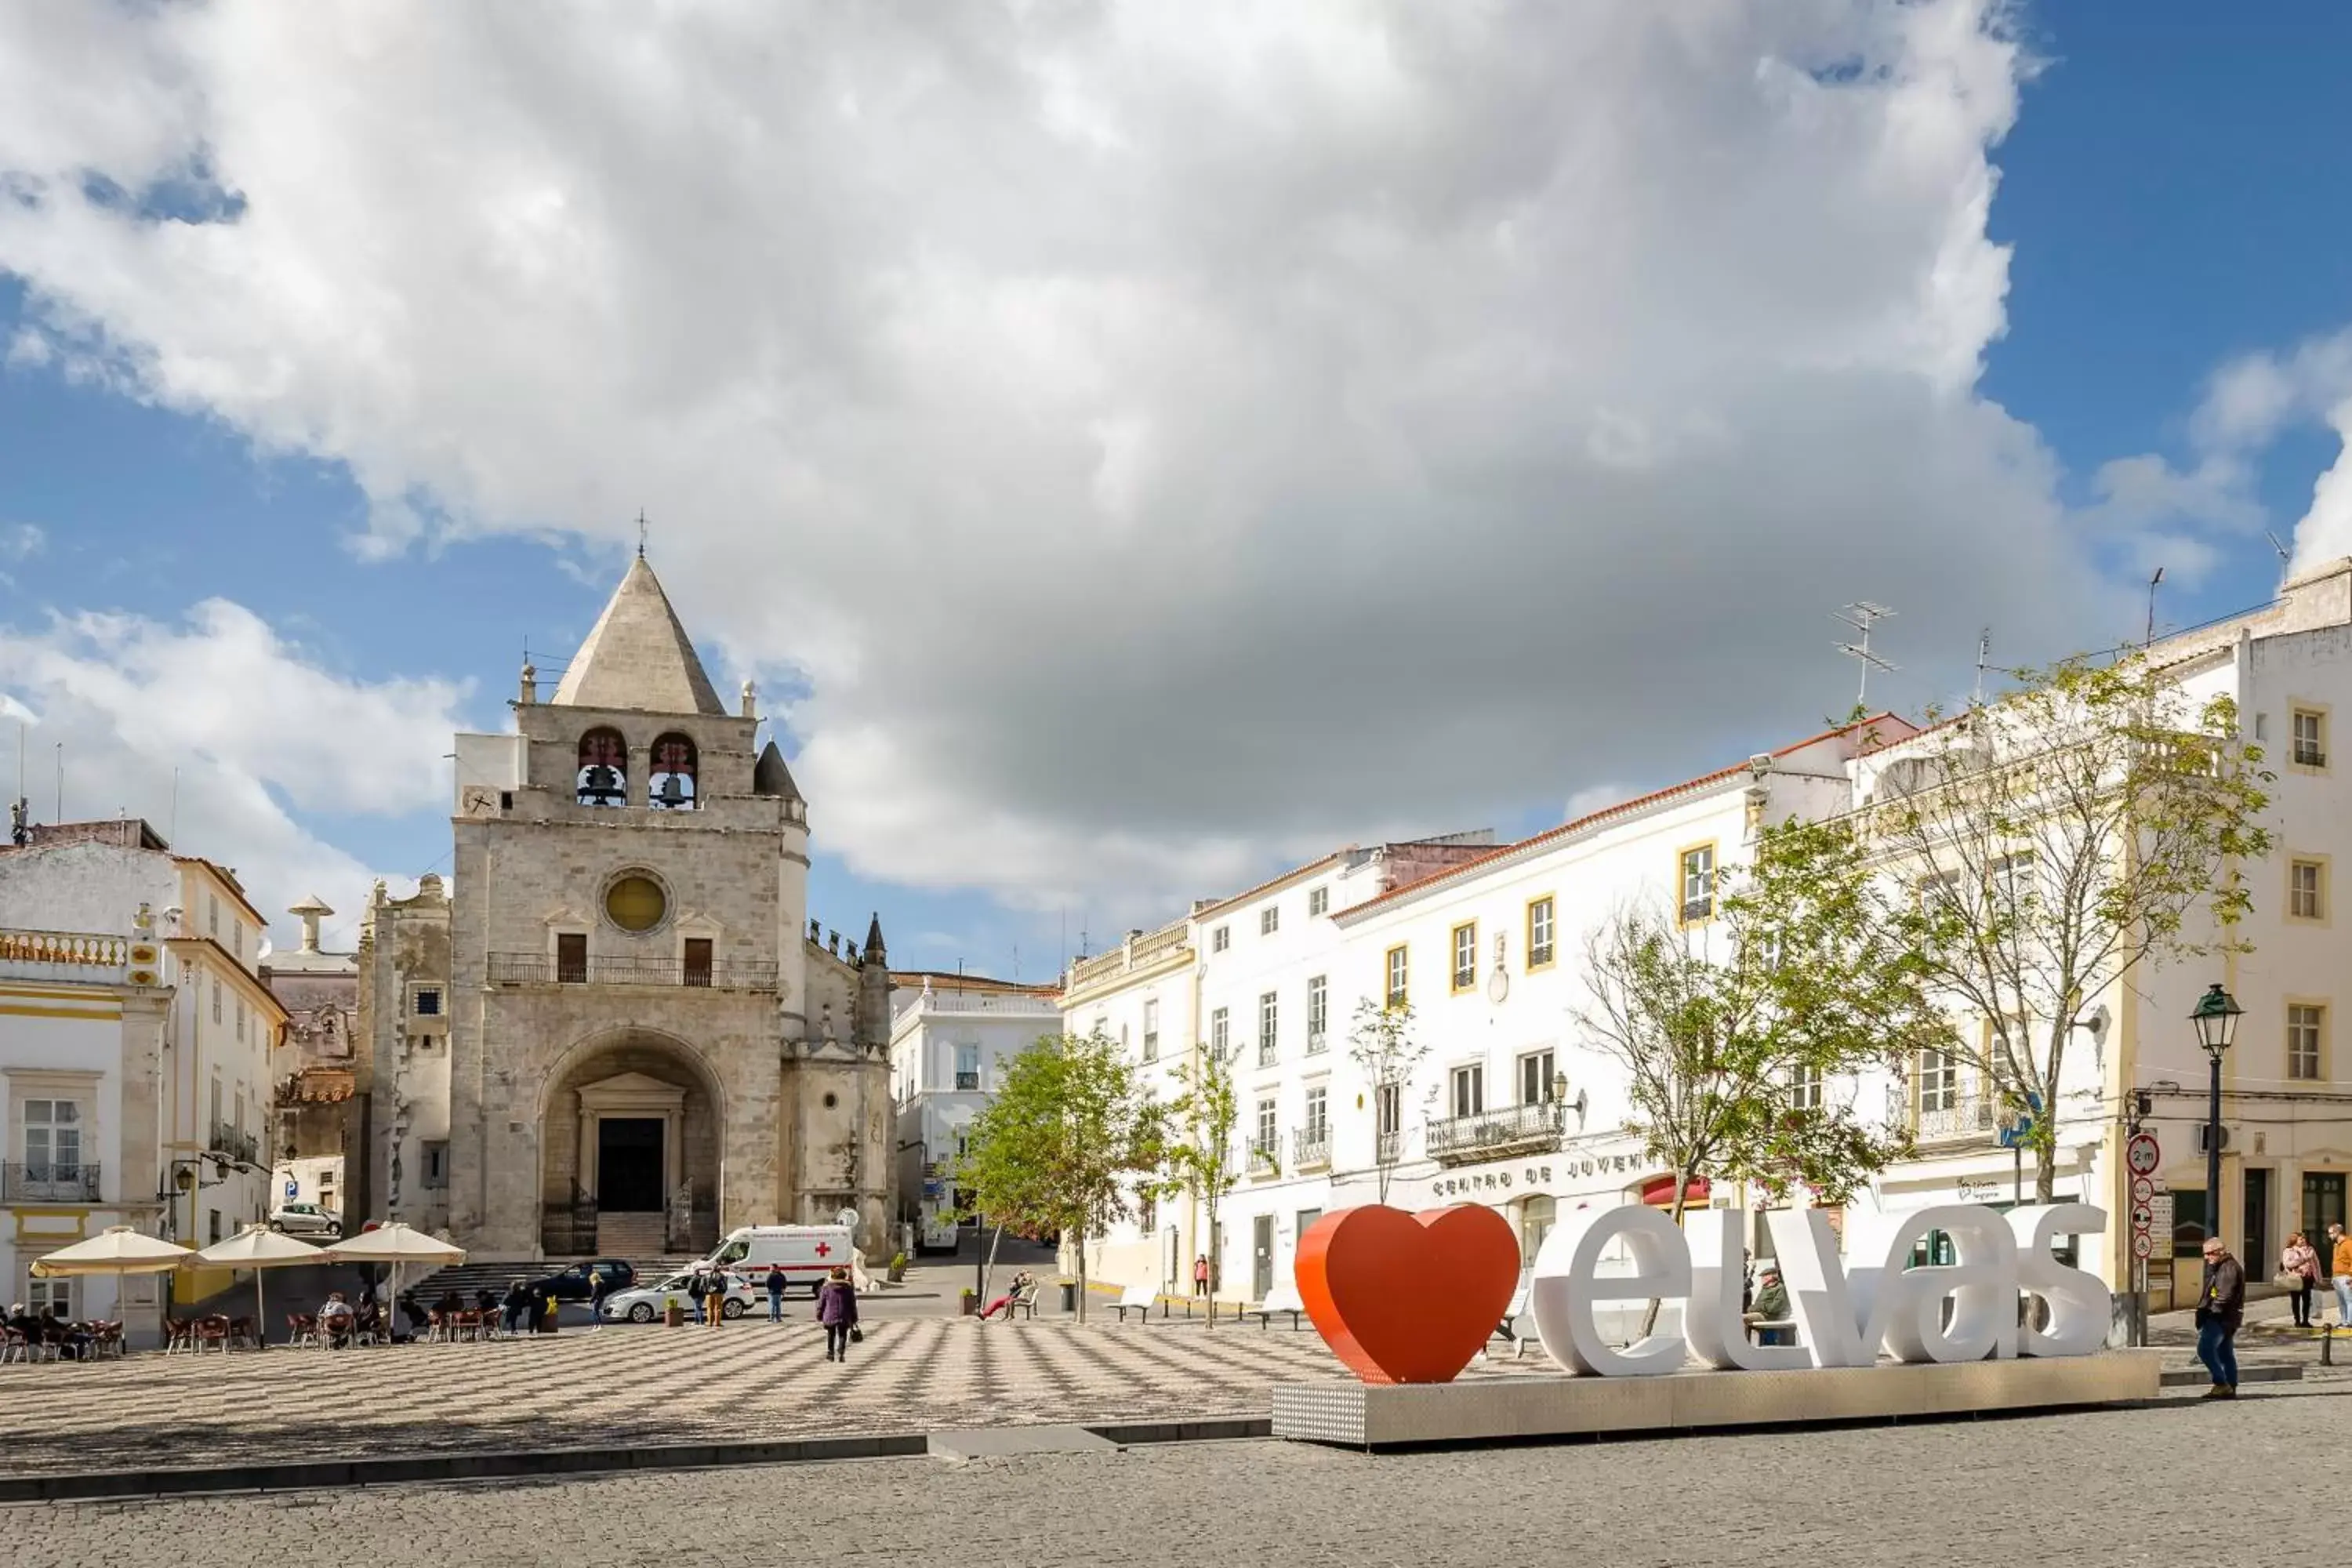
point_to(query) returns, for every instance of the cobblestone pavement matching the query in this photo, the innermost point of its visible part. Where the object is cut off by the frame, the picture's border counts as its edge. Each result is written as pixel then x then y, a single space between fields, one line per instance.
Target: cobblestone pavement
pixel 2105 1488
pixel 624 1386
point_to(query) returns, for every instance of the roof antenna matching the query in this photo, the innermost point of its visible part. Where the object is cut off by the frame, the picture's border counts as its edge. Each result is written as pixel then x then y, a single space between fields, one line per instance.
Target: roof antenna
pixel 1984 656
pixel 1864 615
pixel 2285 558
pixel 641 534
pixel 2149 639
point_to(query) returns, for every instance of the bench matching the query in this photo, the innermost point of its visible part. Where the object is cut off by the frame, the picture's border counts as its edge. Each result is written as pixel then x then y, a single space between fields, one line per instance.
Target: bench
pixel 1508 1328
pixel 1283 1298
pixel 1137 1297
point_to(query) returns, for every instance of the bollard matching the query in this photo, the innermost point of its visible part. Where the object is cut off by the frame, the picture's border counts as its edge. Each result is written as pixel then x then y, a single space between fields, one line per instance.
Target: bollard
pixel 2326 1346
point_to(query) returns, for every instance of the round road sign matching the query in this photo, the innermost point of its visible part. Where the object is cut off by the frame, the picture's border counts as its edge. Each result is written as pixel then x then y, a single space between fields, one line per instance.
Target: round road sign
pixel 2141 1155
pixel 2141 1216
pixel 2142 1189
pixel 2143 1245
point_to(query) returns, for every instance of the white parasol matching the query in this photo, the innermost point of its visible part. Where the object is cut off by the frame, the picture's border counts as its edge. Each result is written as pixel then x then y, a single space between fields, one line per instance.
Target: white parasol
pixel 396 1243
pixel 118 1250
pixel 258 1247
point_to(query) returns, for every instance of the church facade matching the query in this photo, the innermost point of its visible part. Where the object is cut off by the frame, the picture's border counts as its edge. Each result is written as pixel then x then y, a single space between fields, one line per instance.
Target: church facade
pixel 619 1034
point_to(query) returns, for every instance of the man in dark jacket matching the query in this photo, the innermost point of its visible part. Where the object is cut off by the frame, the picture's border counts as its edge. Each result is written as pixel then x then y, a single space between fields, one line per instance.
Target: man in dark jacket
pixel 2220 1310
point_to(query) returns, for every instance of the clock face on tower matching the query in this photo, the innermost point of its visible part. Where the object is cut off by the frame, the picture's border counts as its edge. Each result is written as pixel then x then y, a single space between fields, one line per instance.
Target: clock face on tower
pixel 481 800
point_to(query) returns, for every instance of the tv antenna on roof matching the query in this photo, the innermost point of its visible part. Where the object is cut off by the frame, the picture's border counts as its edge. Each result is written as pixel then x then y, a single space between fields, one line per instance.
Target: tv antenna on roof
pixel 2284 559
pixel 1863 615
pixel 2149 639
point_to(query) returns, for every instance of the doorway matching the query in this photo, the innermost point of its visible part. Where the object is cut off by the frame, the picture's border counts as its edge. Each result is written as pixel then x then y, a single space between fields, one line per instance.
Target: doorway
pixel 629 1165
pixel 2259 1247
pixel 1262 1257
pixel 2323 1205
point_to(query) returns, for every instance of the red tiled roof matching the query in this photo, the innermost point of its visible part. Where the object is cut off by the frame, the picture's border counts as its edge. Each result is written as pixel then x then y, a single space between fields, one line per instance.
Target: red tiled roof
pixel 1606 812
pixel 1248 893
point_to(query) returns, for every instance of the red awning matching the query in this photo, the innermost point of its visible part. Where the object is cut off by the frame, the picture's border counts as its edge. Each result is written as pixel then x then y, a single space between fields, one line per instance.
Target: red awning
pixel 1659 1191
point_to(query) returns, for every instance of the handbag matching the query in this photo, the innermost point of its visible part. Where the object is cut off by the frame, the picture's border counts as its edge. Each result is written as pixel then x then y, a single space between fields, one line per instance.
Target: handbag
pixel 2289 1279
pixel 856 1335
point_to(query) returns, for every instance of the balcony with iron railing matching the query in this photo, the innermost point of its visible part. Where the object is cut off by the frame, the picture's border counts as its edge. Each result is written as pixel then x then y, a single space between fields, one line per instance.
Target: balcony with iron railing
pixel 1387 1147
pixel 615 969
pixel 1310 1148
pixel 237 1144
pixel 91 957
pixel 1492 1135
pixel 1261 1161
pixel 50 1182
pixel 967 1081
pixel 1956 1119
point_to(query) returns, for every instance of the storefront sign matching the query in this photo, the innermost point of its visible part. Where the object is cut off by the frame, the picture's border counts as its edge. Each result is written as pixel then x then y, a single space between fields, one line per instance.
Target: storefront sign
pixel 1533 1178
pixel 1844 1317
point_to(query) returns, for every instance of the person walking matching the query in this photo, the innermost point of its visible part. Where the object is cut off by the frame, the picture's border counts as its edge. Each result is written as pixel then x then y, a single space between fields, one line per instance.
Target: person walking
pixel 600 1285
pixel 836 1309
pixel 1201 1275
pixel 2220 1307
pixel 720 1283
pixel 2300 1263
pixel 775 1293
pixel 2338 1263
pixel 517 1307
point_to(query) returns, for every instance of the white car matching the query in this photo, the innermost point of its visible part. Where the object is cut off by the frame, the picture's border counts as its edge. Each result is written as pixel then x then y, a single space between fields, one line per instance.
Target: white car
pixel 642 1303
pixel 306 1219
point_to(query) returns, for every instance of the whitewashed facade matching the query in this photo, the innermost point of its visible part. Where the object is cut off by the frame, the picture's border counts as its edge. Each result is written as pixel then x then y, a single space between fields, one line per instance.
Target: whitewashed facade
pixel 1510 1108
pixel 950 1035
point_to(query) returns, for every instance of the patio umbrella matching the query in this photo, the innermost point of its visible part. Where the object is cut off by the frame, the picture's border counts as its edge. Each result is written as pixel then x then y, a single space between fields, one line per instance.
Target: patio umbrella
pixel 258 1247
pixel 118 1250
pixel 397 1244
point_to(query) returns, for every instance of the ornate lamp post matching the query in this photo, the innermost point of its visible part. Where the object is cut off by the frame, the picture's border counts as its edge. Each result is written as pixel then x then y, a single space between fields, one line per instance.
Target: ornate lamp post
pixel 2216 1018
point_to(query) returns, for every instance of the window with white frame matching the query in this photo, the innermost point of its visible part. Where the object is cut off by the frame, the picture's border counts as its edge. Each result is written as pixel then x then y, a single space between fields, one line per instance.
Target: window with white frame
pixel 1319 1113
pixel 1465 955
pixel 1396 977
pixel 1152 1028
pixel 56 1295
pixel 1269 920
pixel 1220 1032
pixel 1268 1017
pixel 1221 939
pixel 1469 1090
pixel 240 1020
pixel 2306 883
pixel 1265 1129
pixel 1939 1080
pixel 2309 742
pixel 1535 1077
pixel 1319 1011
pixel 212 916
pixel 216 1000
pixel 1539 933
pixel 967 1067
pixel 2305 1026
pixel 1697 883
pixel 53 1140
pixel 1388 1110
pixel 1319 901
pixel 1805 1088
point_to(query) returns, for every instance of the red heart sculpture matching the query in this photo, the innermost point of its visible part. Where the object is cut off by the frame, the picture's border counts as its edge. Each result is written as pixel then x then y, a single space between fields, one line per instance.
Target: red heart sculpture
pixel 1406 1298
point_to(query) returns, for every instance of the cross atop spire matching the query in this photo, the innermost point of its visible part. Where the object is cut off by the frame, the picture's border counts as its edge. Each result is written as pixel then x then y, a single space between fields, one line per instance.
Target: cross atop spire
pixel 641 534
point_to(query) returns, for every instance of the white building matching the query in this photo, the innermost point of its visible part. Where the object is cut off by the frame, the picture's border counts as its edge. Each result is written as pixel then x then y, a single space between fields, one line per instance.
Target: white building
pixel 134 1038
pixel 950 1035
pixel 1510 1108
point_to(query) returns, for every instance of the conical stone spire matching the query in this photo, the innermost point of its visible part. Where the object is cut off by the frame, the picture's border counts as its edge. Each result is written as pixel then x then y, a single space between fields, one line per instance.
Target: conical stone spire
pixel 639 655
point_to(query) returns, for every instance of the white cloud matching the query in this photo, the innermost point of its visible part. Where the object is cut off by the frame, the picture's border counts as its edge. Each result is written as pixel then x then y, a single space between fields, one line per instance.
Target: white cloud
pixel 219 732
pixel 1162 437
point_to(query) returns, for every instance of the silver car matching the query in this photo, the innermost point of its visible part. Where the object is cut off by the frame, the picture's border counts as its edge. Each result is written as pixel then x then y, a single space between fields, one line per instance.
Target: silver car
pixel 306 1219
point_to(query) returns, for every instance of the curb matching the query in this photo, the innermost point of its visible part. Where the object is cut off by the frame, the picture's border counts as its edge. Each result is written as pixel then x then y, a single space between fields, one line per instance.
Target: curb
pixel 345 1474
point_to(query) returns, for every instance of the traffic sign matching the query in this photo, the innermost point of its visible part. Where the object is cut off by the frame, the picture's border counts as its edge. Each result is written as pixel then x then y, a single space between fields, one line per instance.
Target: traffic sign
pixel 2143 1245
pixel 2017 1122
pixel 2142 1189
pixel 293 1188
pixel 2142 1155
pixel 2142 1219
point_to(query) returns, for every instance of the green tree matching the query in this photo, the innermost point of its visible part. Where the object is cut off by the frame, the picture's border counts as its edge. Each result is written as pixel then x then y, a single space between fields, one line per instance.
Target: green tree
pixel 1200 1159
pixel 1066 1144
pixel 2038 848
pixel 1381 1043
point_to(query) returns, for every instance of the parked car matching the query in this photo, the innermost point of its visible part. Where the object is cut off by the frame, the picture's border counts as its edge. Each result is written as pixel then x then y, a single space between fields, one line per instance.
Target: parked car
pixel 577 1283
pixel 306 1219
pixel 644 1304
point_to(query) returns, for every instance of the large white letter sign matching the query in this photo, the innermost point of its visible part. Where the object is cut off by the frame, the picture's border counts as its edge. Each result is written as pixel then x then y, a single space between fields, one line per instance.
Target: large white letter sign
pixel 1715 1322
pixel 1564 1289
pixel 2077 1298
pixel 1981 1282
pixel 1834 1333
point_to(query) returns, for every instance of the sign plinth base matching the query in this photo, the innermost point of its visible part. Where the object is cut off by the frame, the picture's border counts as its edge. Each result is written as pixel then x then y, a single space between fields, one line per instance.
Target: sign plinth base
pixel 1511 1408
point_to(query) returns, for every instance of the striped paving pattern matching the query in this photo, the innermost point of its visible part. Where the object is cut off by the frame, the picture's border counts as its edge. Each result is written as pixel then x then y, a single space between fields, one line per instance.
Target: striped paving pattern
pixel 618 1388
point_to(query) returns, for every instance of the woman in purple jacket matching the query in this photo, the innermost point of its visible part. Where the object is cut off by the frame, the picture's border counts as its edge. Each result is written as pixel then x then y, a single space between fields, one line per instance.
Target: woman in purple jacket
pixel 836 1309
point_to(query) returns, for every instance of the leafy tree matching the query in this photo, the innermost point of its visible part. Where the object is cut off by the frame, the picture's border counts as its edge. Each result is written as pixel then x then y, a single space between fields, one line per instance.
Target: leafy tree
pixel 1381 1044
pixel 1731 1034
pixel 2041 846
pixel 1062 1144
pixel 1200 1162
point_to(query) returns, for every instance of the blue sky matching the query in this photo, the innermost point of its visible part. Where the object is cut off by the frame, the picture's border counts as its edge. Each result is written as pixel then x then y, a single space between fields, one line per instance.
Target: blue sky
pixel 2172 192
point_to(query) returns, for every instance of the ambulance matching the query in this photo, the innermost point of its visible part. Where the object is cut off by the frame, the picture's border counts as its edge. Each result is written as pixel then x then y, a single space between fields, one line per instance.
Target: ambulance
pixel 806 1253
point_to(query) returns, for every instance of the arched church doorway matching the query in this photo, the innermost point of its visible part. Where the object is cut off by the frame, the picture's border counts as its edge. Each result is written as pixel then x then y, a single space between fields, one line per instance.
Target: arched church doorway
pixel 630 1138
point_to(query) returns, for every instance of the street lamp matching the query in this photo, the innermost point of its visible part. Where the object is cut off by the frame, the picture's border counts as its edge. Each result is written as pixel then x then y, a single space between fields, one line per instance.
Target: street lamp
pixel 2216 1018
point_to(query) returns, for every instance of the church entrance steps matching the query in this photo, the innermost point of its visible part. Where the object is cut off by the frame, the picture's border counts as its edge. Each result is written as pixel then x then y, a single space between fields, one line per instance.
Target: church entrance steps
pixel 631 1235
pixel 467 1277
